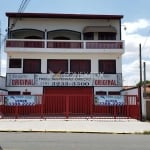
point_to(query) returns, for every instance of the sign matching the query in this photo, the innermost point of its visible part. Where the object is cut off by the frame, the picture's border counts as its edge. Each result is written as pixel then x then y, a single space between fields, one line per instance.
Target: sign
pixel 20 80
pixel 20 100
pixel 63 80
pixel 108 100
pixel 66 79
pixel 108 80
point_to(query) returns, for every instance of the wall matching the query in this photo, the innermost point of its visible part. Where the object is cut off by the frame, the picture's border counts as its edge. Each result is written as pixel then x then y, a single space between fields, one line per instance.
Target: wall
pixel 134 91
pixel 69 24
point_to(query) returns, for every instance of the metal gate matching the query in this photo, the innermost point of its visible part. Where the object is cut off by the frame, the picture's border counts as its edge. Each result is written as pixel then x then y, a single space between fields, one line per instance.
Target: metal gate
pixel 69 106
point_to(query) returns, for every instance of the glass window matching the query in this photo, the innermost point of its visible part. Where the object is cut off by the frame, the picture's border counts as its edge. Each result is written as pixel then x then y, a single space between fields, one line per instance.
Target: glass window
pixel 14 92
pixel 106 36
pixel 89 36
pixel 31 66
pixel 57 66
pixel 101 93
pixel 107 66
pixel 113 93
pixel 14 63
pixel 80 66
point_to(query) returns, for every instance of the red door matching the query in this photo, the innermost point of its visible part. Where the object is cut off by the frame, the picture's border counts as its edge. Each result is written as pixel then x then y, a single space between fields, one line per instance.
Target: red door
pixel 68 100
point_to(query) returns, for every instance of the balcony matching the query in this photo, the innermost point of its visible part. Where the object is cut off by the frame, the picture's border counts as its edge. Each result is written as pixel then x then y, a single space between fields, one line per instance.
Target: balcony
pixel 18 45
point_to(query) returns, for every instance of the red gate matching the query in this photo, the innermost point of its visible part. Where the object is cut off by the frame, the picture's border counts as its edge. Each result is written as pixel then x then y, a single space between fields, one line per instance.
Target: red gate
pixel 71 105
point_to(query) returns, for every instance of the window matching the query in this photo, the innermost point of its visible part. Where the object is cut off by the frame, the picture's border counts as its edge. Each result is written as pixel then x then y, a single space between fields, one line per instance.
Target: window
pixel 107 66
pixel 106 36
pixel 26 93
pixel 101 93
pixel 14 92
pixel 57 66
pixel 113 93
pixel 31 66
pixel 14 63
pixel 80 66
pixel 89 36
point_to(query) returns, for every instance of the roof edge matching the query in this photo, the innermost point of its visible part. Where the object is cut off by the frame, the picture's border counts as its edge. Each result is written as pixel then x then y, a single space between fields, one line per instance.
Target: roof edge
pixel 61 15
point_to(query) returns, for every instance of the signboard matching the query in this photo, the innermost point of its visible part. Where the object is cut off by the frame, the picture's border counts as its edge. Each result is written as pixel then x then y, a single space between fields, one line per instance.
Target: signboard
pixel 20 100
pixel 108 100
pixel 63 80
pixel 66 79
pixel 20 80
pixel 107 80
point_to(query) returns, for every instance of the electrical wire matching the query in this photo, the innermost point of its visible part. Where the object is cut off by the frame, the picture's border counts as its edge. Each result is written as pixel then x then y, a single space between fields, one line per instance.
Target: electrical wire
pixel 148 33
pixel 21 9
pixel 23 5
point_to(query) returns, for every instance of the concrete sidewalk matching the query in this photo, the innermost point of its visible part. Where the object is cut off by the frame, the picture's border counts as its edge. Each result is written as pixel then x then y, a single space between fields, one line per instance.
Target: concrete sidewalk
pixel 75 125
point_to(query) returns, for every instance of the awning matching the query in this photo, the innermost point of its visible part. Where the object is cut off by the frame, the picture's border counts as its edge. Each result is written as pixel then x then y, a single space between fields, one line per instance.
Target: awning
pixel 99 29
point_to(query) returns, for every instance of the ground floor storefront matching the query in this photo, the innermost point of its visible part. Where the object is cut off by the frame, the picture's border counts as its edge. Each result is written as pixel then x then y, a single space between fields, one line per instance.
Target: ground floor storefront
pixel 69 102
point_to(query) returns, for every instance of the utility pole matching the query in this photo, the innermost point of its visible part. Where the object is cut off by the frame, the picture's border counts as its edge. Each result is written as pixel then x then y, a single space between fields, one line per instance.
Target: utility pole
pixel 144 65
pixel 140 85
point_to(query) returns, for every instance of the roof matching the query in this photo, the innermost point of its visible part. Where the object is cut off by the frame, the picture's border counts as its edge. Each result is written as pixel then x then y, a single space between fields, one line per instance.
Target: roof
pixel 55 15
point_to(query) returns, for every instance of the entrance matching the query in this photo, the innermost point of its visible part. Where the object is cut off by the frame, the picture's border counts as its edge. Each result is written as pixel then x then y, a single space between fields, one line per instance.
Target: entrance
pixel 69 101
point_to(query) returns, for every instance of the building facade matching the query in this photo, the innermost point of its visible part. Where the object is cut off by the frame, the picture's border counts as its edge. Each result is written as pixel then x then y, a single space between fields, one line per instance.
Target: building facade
pixel 64 53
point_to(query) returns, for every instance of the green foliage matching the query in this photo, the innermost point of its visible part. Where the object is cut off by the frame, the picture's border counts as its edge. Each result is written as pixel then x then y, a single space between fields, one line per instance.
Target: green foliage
pixel 147 82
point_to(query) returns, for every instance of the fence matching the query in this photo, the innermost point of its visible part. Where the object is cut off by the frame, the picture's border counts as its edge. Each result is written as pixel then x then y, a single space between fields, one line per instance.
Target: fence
pixel 70 106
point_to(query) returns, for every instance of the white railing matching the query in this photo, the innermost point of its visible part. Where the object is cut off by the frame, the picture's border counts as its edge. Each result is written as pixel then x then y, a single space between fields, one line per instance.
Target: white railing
pixel 75 44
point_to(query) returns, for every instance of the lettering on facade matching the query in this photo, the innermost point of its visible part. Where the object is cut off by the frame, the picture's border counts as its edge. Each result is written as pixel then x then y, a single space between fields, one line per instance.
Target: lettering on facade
pixel 64 80
pixel 23 82
pixel 105 82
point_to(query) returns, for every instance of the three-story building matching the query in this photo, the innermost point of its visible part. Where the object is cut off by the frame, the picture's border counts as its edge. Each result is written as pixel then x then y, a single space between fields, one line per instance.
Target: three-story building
pixel 64 54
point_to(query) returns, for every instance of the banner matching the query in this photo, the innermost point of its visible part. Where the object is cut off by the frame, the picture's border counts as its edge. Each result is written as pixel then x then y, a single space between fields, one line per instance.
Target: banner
pixel 108 100
pixel 66 79
pixel 20 100
pixel 63 80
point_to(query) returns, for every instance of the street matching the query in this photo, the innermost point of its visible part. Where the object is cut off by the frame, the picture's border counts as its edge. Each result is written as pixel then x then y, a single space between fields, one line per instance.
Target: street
pixel 72 141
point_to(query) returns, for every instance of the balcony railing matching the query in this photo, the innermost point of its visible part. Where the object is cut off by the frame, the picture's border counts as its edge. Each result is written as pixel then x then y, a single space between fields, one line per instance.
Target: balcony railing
pixel 74 44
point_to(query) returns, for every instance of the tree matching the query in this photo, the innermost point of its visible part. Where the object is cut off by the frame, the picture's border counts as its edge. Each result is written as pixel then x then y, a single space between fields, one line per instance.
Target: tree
pixel 147 82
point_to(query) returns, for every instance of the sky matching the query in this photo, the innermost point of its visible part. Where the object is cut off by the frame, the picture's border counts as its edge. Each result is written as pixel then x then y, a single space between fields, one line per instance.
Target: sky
pixel 136 21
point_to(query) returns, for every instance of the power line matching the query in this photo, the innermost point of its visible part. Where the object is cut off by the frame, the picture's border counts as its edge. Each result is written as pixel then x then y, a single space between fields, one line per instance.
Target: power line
pixel 146 38
pixel 23 5
pixel 21 9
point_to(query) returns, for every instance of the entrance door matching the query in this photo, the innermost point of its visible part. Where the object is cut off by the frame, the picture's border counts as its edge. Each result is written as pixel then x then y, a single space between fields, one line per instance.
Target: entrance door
pixel 73 101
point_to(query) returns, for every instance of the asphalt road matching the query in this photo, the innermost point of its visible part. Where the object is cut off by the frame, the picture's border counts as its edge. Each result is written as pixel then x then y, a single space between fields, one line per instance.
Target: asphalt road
pixel 72 141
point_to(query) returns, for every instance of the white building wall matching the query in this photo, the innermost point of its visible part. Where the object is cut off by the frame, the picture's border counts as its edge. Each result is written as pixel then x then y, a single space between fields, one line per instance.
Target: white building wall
pixel 72 24
pixel 35 90
pixel 44 56
pixel 2 82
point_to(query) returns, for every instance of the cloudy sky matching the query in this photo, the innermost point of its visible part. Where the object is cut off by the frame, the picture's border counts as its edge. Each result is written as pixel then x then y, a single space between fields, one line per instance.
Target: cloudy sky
pixel 136 21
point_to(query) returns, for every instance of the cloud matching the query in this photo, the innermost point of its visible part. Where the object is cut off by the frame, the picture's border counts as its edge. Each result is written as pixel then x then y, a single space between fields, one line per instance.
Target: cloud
pixel 130 67
pixel 132 27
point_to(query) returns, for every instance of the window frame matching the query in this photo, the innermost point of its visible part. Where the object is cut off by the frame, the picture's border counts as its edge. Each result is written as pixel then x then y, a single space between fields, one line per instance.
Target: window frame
pixel 88 36
pixel 15 63
pixel 104 64
pixel 32 63
pixel 62 68
pixel 106 36
pixel 78 66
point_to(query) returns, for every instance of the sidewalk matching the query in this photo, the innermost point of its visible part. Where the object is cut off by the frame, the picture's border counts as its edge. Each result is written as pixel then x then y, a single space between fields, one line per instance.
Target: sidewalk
pixel 75 125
